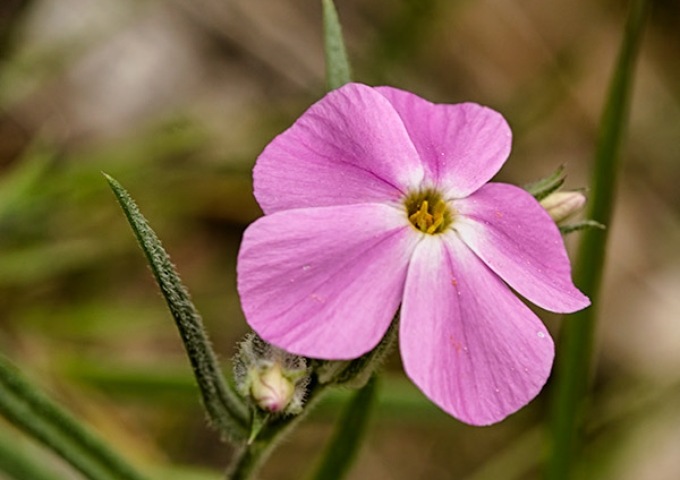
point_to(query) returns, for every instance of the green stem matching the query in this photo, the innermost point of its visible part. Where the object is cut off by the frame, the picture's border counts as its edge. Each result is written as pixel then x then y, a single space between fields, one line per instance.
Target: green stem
pixel 573 366
pixel 248 460
pixel 251 456
pixel 225 408
pixel 349 432
pixel 342 448
pixel 39 417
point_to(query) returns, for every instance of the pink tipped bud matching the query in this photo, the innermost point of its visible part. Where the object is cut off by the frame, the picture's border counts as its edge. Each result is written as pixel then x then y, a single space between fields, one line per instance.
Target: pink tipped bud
pixel 563 205
pixel 271 389
pixel 270 378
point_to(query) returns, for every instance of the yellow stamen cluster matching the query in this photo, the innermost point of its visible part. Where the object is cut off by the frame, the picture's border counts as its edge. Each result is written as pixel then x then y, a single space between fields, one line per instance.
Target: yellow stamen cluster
pixel 426 221
pixel 428 212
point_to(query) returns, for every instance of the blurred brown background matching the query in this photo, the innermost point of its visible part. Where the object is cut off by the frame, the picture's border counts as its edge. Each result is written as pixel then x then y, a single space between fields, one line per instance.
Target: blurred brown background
pixel 176 98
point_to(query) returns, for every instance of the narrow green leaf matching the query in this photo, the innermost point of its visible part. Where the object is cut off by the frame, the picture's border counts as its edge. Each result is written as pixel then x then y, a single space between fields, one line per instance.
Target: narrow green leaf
pixel 35 414
pixel 225 408
pixel 572 371
pixel 338 70
pixel 351 427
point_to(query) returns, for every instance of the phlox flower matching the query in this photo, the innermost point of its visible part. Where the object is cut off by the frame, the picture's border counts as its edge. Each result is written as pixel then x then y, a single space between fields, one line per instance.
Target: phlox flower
pixel 376 198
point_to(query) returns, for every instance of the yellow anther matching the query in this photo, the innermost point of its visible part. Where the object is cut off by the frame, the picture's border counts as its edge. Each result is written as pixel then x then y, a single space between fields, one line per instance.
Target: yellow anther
pixel 428 219
pixel 422 218
pixel 437 223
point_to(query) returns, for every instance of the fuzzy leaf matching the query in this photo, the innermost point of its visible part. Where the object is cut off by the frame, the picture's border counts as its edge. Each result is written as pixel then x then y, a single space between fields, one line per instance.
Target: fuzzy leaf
pixel 225 408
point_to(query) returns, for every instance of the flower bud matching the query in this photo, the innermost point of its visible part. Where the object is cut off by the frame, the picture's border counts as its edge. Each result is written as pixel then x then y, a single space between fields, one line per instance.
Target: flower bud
pixel 563 205
pixel 271 390
pixel 274 380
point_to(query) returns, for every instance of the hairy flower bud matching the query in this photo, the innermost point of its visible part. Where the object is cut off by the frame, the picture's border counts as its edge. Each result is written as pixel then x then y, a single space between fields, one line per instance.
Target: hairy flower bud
pixel 271 389
pixel 563 205
pixel 274 380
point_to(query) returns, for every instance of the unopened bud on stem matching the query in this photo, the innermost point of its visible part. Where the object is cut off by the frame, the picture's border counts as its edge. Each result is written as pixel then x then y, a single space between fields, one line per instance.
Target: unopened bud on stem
pixel 563 205
pixel 270 389
pixel 275 381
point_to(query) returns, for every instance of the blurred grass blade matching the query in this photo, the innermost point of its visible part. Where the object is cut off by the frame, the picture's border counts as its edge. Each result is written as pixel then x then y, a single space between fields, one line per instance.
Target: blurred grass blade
pixel 16 187
pixel 349 432
pixel 39 417
pixel 17 464
pixel 576 339
pixel 515 461
pixel 226 410
pixel 338 70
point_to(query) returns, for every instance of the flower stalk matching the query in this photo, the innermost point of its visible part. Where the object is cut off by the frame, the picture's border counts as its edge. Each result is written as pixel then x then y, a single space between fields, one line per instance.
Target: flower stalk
pixel 573 368
pixel 351 428
pixel 252 453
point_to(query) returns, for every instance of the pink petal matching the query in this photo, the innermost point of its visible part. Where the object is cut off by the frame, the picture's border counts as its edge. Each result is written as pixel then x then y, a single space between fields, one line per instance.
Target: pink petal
pixel 349 147
pixel 462 146
pixel 466 341
pixel 508 229
pixel 325 282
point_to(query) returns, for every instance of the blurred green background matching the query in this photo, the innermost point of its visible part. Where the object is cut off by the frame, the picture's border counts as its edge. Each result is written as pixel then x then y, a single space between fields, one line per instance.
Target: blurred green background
pixel 176 98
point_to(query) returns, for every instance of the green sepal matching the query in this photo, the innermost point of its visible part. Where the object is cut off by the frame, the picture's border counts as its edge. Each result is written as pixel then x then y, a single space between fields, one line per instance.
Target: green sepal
pixel 356 373
pixel 545 186
pixel 583 225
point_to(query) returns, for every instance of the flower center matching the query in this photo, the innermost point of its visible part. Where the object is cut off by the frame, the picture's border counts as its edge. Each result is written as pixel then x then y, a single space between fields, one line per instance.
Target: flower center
pixel 428 212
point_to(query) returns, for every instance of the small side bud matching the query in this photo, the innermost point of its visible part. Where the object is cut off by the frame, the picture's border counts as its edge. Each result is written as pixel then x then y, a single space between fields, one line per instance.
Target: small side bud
pixel 563 205
pixel 271 390
pixel 274 380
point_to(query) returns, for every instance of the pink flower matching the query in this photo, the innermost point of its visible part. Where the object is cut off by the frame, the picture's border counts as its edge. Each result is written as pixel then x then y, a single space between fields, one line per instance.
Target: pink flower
pixel 376 198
